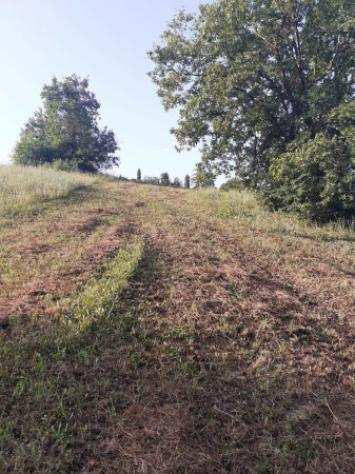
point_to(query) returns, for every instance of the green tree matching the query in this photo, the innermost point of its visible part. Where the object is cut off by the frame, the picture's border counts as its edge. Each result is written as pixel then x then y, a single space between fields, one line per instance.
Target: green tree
pixel 251 76
pixel 317 178
pixel 165 179
pixel 139 175
pixel 203 176
pixel 187 182
pixel 176 183
pixel 65 131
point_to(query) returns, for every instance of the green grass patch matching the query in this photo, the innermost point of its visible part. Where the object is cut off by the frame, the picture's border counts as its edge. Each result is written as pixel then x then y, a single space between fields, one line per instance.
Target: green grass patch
pixel 52 380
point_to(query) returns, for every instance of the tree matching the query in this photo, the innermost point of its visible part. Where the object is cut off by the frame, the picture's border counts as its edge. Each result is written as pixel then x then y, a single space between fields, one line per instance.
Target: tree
pixel 165 179
pixel 251 76
pixel 187 182
pixel 317 178
pixel 203 176
pixel 176 183
pixel 139 175
pixel 65 131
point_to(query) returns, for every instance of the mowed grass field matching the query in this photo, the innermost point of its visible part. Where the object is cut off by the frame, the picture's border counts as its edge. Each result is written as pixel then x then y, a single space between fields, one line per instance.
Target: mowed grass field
pixel 157 330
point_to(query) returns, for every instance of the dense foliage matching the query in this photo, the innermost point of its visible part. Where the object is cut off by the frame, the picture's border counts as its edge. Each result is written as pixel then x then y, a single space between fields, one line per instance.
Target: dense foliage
pixel 317 177
pixel 251 77
pixel 65 131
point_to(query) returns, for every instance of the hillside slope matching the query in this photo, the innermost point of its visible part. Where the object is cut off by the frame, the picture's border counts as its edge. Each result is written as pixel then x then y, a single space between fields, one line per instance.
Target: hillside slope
pixel 148 329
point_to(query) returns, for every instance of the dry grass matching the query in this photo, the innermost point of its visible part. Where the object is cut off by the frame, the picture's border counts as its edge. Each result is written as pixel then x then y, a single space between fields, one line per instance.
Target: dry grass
pixel 230 350
pixel 23 188
pixel 245 208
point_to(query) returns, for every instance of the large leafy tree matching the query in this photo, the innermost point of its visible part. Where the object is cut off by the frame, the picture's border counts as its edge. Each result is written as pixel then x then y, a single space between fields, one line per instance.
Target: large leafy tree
pixel 65 131
pixel 251 76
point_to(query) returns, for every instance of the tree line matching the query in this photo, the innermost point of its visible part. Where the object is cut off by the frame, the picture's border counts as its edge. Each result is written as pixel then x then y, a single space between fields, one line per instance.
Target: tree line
pixel 201 178
pixel 163 180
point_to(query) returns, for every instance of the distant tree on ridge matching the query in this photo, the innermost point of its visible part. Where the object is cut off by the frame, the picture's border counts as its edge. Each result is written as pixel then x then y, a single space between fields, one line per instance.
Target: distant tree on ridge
pixel 165 179
pixel 187 182
pixel 65 132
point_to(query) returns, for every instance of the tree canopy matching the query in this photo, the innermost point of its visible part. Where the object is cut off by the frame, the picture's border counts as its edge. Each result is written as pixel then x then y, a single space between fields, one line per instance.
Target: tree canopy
pixel 251 76
pixel 65 132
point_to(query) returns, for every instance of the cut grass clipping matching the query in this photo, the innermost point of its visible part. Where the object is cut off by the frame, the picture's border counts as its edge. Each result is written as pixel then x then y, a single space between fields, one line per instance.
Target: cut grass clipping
pixel 46 403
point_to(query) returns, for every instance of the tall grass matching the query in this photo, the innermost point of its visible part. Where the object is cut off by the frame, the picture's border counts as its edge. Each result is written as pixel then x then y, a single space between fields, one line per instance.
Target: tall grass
pixel 245 207
pixel 24 187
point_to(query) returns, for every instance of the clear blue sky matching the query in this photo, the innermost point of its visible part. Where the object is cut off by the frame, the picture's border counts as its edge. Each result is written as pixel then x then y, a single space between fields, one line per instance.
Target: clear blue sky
pixel 104 40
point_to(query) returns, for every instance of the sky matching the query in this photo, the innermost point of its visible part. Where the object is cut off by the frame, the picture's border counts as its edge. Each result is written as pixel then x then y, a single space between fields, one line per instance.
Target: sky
pixel 106 41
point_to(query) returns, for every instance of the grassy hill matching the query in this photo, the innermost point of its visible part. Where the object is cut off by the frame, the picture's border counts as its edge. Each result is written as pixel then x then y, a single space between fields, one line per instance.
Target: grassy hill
pixel 148 329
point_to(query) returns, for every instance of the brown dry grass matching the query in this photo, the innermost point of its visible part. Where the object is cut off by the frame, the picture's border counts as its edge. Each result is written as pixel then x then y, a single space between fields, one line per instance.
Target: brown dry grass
pixel 231 350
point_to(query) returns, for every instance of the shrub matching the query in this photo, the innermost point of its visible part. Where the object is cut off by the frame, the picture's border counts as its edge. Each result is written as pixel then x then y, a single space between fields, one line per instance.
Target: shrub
pixel 317 178
pixel 231 184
